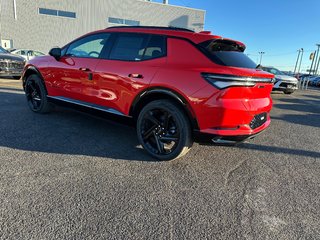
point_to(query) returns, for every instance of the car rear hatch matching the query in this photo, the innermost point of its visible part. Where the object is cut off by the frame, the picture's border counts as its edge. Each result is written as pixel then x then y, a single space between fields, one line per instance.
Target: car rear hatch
pixel 244 81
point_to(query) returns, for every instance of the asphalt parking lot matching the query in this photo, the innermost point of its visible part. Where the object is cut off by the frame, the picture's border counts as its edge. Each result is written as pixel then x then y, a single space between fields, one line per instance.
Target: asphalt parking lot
pixel 69 175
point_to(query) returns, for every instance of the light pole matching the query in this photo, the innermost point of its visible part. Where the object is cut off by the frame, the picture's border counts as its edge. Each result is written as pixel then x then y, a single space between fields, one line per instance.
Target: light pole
pixel 316 57
pixel 312 54
pixel 300 60
pixel 295 67
pixel 261 53
pixel 317 63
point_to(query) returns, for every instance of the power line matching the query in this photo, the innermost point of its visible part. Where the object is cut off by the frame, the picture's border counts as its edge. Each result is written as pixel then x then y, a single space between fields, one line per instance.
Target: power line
pixel 280 54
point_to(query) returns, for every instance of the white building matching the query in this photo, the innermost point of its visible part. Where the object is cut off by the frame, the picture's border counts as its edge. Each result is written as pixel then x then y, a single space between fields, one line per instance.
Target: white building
pixel 42 24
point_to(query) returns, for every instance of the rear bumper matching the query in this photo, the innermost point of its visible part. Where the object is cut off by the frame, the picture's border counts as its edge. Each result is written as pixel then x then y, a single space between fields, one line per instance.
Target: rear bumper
pixel 228 137
pixel 241 130
pixel 231 112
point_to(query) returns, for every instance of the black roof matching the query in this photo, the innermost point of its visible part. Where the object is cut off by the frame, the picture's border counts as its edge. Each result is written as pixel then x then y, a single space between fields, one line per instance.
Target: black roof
pixel 155 27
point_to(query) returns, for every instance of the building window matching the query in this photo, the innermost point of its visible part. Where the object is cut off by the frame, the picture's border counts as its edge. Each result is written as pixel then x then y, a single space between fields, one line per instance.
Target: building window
pixel 59 13
pixel 48 11
pixel 123 21
pixel 116 20
pixel 131 22
pixel 67 14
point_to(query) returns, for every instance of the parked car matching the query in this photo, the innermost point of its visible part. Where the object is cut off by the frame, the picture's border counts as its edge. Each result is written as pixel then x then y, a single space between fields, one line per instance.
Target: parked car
pixel 178 85
pixel 10 65
pixel 27 53
pixel 287 84
pixel 315 81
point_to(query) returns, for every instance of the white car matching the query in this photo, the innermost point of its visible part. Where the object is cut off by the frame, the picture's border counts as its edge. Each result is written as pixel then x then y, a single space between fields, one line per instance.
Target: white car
pixel 27 53
pixel 285 83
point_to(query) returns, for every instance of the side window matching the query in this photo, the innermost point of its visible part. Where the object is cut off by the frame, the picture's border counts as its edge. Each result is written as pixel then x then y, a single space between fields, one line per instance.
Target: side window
pixel 23 52
pixel 88 47
pixel 127 47
pixel 156 48
pixel 36 53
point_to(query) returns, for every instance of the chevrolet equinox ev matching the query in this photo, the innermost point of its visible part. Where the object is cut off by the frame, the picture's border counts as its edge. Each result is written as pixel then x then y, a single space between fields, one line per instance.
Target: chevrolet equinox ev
pixel 174 83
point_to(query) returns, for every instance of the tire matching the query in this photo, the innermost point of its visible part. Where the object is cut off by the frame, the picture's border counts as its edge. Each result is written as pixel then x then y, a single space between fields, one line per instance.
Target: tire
pixel 36 95
pixel 288 91
pixel 164 130
pixel 16 77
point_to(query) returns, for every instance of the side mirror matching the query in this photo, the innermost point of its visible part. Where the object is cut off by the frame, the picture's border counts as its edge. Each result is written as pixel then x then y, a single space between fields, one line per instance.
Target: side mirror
pixel 56 53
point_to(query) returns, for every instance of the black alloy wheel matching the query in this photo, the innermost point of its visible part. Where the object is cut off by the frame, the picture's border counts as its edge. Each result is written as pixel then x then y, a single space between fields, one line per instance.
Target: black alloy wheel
pixel 164 130
pixel 36 95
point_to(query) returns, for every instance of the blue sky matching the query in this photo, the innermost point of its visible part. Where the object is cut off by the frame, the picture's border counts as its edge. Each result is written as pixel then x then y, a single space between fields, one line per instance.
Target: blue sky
pixel 277 27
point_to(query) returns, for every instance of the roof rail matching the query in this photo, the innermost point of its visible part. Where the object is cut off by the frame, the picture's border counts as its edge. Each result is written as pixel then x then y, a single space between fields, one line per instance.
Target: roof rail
pixel 155 27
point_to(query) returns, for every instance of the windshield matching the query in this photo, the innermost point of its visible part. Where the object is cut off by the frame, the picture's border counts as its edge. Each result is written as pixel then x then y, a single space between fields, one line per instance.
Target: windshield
pixel 272 70
pixel 227 53
pixel 2 50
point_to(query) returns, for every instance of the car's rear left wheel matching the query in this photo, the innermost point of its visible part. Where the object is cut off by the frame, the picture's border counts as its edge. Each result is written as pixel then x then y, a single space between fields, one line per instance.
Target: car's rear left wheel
pixel 164 130
pixel 36 95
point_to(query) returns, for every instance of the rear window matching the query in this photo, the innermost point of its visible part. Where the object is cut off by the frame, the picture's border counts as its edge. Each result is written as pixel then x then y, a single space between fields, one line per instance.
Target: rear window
pixel 227 53
pixel 137 47
pixel 127 47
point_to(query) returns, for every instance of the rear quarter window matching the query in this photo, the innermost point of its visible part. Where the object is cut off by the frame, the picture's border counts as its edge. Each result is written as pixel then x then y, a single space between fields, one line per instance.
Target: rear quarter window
pixel 227 53
pixel 157 47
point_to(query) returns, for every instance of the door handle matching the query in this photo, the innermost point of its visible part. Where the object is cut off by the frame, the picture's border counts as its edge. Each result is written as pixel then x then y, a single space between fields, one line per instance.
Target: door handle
pixel 135 75
pixel 90 75
pixel 84 69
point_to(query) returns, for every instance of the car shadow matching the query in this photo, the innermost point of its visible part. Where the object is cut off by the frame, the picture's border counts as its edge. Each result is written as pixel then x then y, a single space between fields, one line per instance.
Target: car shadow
pixel 280 150
pixel 66 131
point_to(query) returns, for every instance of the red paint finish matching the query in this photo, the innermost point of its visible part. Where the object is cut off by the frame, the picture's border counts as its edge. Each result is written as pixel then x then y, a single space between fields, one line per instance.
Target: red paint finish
pixel 117 84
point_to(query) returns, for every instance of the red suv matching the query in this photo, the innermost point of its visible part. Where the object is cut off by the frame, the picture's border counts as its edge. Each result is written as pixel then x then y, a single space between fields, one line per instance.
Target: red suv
pixel 175 83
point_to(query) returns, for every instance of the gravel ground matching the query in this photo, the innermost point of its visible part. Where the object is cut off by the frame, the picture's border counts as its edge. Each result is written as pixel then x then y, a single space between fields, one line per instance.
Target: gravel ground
pixel 69 175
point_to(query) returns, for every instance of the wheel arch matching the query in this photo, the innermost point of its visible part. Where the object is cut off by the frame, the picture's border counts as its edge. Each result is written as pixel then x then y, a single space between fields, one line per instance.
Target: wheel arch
pixel 152 94
pixel 28 72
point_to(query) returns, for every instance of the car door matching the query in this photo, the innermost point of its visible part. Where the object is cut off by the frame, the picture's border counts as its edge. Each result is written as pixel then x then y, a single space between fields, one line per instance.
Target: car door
pixel 71 76
pixel 128 67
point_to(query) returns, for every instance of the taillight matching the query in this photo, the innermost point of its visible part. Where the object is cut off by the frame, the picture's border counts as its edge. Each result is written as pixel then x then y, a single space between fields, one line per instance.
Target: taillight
pixel 222 81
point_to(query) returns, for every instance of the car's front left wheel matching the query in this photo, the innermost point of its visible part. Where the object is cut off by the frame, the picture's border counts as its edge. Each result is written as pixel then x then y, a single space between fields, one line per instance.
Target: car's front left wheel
pixel 36 95
pixel 164 130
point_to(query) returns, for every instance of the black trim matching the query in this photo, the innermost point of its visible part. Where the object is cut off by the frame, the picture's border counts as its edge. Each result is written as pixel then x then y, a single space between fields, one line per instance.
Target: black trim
pixel 170 93
pixel 154 27
pixel 87 105
pixel 206 138
pixel 34 69
pixel 154 90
